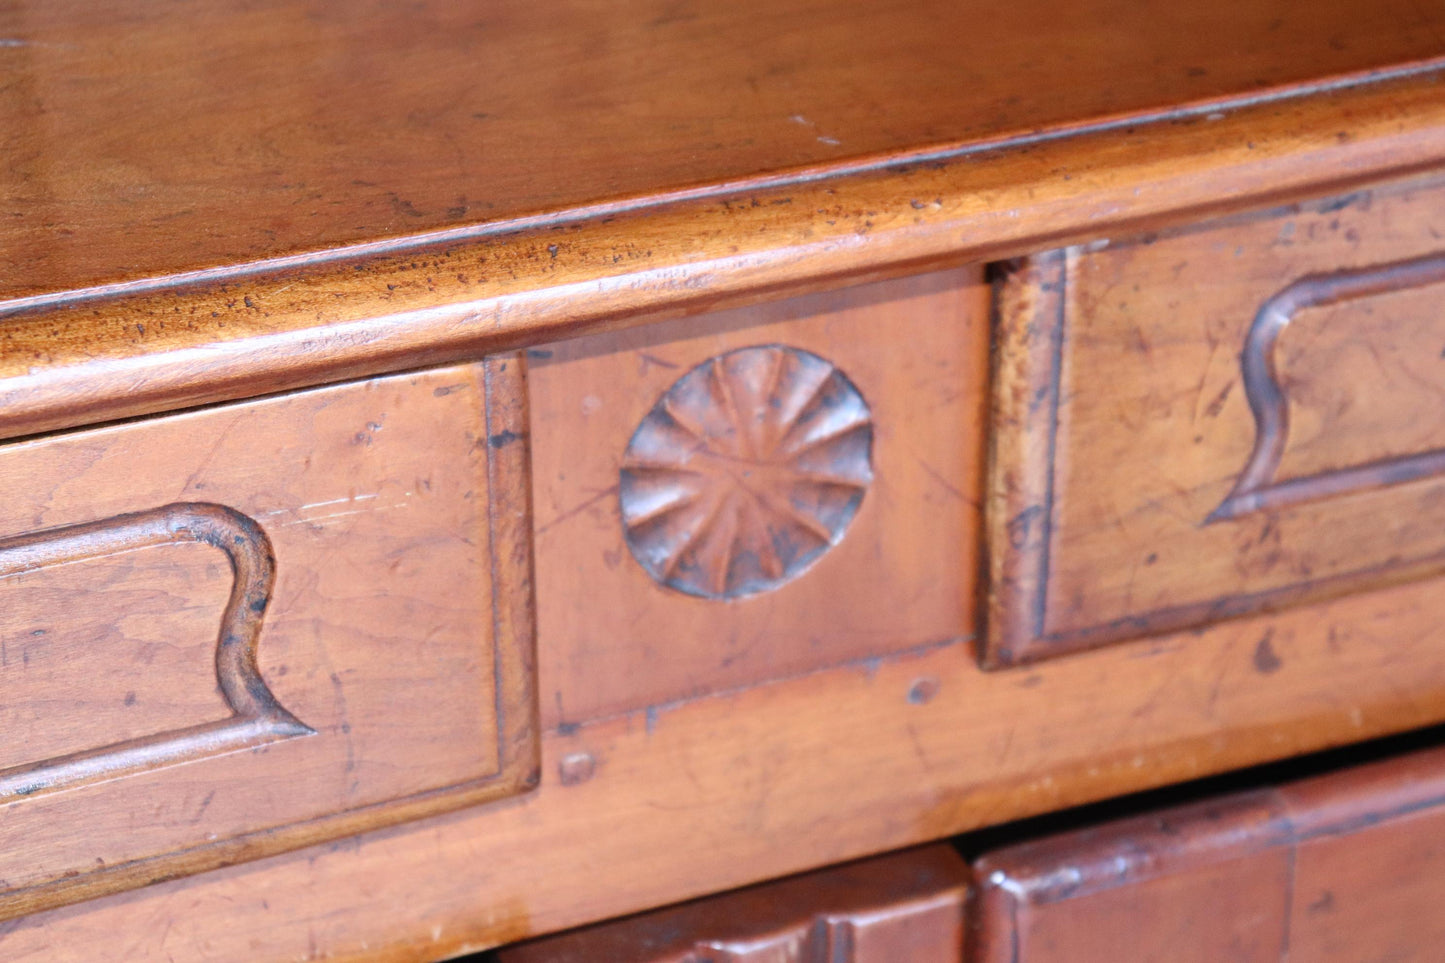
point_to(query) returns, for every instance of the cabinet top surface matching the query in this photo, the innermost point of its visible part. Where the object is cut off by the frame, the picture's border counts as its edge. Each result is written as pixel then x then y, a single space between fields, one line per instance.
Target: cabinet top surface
pixel 150 138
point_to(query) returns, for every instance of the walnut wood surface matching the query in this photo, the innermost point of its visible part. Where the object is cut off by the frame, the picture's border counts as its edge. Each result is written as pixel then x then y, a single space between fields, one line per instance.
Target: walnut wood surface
pixel 1217 420
pixel 895 579
pixel 145 139
pixel 356 653
pixel 1343 867
pixel 901 908
pixel 186 340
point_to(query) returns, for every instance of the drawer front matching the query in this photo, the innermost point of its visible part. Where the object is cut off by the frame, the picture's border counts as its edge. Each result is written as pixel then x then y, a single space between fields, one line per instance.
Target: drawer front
pixel 1335 869
pixel 902 908
pixel 1230 419
pixel 243 629
pixel 757 493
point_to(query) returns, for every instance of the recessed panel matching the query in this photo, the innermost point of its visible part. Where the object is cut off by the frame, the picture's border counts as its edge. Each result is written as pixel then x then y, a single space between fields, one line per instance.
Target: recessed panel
pixel 248 628
pixel 1233 418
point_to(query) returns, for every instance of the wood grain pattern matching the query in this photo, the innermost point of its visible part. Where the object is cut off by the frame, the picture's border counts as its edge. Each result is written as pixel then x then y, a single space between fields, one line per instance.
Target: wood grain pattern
pixel 648 807
pixel 335 128
pixel 250 329
pixel 902 907
pixel 176 591
pixel 1145 479
pixel 1342 867
pixel 904 395
pixel 366 663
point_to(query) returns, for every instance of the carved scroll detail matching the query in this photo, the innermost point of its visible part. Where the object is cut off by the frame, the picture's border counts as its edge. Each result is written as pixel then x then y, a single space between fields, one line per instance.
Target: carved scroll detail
pixel 257 718
pixel 1256 489
pixel 745 472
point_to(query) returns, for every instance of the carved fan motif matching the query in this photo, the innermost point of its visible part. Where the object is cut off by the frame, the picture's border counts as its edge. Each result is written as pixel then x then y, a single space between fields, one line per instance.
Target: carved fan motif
pixel 745 472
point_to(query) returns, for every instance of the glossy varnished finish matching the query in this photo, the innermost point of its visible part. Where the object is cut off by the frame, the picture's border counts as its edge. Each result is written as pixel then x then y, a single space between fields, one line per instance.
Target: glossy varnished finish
pixel 77 359
pixel 247 629
pixel 1228 418
pixel 1344 867
pixel 902 907
pixel 144 139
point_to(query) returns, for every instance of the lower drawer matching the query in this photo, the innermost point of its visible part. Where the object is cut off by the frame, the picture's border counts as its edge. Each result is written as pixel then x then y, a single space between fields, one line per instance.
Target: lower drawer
pixel 253 627
pixel 1334 869
pixel 902 908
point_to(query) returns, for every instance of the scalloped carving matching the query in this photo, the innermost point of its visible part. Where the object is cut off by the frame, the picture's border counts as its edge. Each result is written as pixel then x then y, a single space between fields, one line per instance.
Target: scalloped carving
pixel 746 471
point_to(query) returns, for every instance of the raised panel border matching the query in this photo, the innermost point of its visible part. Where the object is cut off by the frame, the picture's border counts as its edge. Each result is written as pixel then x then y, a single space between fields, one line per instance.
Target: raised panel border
pixel 509 515
pixel 256 717
pixel 1030 340
pixel 1256 487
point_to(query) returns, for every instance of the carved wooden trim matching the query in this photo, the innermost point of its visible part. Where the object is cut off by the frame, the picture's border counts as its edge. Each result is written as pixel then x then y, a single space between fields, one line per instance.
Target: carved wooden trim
pixel 904 907
pixel 748 469
pixel 256 717
pixel 1256 488
pixel 514 611
pixel 1019 498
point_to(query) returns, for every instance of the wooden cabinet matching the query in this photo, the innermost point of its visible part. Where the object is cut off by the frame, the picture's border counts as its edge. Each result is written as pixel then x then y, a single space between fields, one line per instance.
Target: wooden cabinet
pixel 478 470
pixel 905 906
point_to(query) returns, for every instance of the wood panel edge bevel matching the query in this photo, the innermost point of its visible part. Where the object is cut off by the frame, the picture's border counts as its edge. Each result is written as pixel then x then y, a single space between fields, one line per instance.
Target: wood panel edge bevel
pixel 1029 304
pixel 256 719
pixel 1257 487
pixel 509 476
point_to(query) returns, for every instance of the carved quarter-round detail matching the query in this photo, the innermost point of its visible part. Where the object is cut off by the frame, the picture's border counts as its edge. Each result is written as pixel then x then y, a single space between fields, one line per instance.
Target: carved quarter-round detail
pixel 747 470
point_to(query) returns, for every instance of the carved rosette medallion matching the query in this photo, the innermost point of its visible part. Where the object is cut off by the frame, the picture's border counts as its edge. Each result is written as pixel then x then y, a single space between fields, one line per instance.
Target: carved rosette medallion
pixel 746 471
